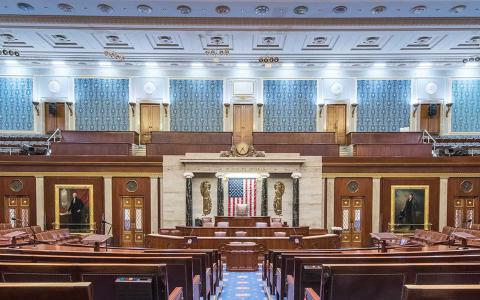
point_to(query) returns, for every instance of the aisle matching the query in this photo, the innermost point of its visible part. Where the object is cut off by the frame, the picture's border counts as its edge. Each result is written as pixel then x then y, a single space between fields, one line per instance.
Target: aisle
pixel 242 285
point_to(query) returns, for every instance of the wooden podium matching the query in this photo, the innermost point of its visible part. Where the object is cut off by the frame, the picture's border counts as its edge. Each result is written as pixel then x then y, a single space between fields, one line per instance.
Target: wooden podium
pixel 241 257
pixel 242 221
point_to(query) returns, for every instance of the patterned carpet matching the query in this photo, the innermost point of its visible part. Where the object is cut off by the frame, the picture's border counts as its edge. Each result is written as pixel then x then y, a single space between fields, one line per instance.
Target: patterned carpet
pixel 242 285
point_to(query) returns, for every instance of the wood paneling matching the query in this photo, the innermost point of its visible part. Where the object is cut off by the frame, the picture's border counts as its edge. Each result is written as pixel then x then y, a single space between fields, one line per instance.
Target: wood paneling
pixel 455 192
pixel 289 138
pixel 306 150
pixel 243 124
pixel 91 149
pixel 364 192
pixel 384 138
pixel 385 201
pixel 181 149
pixel 337 121
pixel 392 150
pixel 149 121
pixel 75 136
pixel 192 138
pixel 54 116
pixel 98 196
pixel 427 122
pixel 119 190
pixel 29 187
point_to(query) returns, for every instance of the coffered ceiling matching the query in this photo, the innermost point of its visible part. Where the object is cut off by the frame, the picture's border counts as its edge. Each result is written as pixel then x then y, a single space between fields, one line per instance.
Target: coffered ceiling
pixel 309 33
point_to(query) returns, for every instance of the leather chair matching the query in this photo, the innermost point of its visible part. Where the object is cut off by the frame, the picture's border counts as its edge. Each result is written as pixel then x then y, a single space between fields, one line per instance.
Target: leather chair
pixel 220 233
pixel 279 234
pixel 207 221
pixel 276 224
pixel 261 224
pixel 222 224
pixel 240 233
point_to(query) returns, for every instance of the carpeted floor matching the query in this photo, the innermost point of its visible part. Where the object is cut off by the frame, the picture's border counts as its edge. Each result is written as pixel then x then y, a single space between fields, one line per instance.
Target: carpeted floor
pixel 242 285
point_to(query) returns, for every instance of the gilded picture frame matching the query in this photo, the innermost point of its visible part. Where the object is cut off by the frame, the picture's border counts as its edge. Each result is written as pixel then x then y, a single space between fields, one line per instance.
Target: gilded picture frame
pixel 409 208
pixel 63 200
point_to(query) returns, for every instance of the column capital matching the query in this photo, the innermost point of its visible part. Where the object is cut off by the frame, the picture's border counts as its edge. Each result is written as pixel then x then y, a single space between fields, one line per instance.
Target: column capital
pixel 296 175
pixel 39 177
pixel 107 177
pixel 188 175
pixel 220 175
pixel 264 175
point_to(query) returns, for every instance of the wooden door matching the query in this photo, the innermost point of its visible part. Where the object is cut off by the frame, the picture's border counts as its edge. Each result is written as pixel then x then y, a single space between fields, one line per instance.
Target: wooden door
pixel 149 121
pixel 337 121
pixel 243 124
pixel 17 207
pixel 430 118
pixel 465 209
pixel 54 116
pixel 133 222
pixel 352 220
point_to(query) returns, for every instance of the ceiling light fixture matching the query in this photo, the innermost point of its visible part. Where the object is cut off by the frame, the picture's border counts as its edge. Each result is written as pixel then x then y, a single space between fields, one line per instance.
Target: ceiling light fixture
pixel 151 64
pixel 197 65
pixel 114 55
pixel 9 52
pixel 288 65
pixel 262 10
pixel 379 9
pixel 333 65
pixel 425 64
pixel 25 7
pixel 471 60
pixel 58 62
pixel 105 8
pixel 144 9
pixel 380 65
pixel 65 7
pixel 340 9
pixel 300 10
pixel 11 62
pixel 458 9
pixel 243 65
pixel 104 63
pixel 184 9
pixel 222 9
pixel 419 9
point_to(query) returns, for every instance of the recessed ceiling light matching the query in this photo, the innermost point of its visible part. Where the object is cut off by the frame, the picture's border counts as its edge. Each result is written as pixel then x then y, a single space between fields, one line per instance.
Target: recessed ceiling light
pixel 333 65
pixel 419 9
pixel 58 62
pixel 379 9
pixel 151 64
pixel 262 10
pixel 104 63
pixel 222 9
pixel 197 65
pixel 243 65
pixel 380 65
pixel 288 65
pixel 25 6
pixel 144 9
pixel 300 10
pixel 11 62
pixel 402 65
pixel 105 8
pixel 424 64
pixel 458 9
pixel 184 9
pixel 340 9
pixel 65 7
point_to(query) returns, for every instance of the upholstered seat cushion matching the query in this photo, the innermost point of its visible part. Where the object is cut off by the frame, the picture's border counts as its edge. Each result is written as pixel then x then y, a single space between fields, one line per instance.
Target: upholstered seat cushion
pixel 240 233
pixel 222 224
pixel 220 233
pixel 261 224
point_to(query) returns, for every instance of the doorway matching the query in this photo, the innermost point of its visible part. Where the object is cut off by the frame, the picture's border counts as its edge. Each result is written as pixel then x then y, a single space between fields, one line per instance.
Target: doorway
pixel 243 124
pixel 132 216
pixel 337 121
pixel 350 214
pixel 430 118
pixel 149 121
pixel 54 116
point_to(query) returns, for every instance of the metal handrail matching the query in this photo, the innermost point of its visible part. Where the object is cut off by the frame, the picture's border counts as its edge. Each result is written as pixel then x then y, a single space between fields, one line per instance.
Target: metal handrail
pixel 55 134
pixel 428 136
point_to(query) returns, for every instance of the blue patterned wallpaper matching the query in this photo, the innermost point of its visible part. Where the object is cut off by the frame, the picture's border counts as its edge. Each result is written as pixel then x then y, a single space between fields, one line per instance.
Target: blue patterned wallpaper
pixel 16 109
pixel 196 105
pixel 466 105
pixel 101 104
pixel 289 105
pixel 383 105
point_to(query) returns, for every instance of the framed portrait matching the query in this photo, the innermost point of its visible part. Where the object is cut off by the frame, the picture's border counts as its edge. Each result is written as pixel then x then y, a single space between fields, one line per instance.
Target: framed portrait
pixel 74 208
pixel 409 208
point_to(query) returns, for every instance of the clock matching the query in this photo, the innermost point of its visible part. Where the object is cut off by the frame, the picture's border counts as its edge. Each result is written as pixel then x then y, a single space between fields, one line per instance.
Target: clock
pixel 242 148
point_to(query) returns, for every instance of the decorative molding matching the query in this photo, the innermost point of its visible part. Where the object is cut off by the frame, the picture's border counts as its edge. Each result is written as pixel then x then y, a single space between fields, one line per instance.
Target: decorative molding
pixel 296 175
pixel 188 175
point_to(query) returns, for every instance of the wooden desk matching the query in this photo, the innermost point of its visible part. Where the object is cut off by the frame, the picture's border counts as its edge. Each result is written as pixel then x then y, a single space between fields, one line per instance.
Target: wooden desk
pixel 242 257
pixel 251 231
pixel 242 221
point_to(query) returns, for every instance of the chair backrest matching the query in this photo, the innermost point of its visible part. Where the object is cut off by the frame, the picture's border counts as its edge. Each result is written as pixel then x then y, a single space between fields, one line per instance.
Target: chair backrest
pixel 206 219
pixel 222 224
pixel 279 234
pixel 276 224
pixel 240 233
pixel 220 233
pixel 57 290
pixel 241 209
pixel 276 219
pixel 261 224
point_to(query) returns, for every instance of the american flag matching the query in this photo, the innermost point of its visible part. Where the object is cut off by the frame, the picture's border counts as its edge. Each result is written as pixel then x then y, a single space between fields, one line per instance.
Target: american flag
pixel 242 190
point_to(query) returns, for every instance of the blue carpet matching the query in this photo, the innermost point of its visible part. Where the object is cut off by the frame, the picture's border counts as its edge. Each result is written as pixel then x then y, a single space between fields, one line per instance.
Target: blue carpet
pixel 243 285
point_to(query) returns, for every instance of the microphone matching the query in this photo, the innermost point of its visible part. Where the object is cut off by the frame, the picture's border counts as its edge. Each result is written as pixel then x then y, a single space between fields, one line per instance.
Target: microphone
pixel 105 222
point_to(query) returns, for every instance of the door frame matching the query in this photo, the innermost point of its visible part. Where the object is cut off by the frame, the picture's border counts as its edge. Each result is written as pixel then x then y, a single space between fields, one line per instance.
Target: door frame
pixel 326 115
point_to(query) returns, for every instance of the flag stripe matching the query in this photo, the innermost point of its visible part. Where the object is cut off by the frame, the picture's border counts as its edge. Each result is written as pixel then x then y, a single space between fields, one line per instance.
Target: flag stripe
pixel 242 191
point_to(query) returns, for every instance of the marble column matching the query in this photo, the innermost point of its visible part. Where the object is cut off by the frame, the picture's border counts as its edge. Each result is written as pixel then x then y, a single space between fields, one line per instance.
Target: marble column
pixel 376 205
pixel 264 204
pixel 442 218
pixel 330 202
pixel 40 200
pixel 220 198
pixel 108 201
pixel 154 224
pixel 296 200
pixel 189 199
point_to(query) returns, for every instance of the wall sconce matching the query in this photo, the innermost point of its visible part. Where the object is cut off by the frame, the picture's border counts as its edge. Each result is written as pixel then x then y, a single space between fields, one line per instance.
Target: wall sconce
pixel 227 107
pixel 259 105
pixel 354 108
pixel 449 107
pixel 165 109
pixel 415 108
pixel 320 109
pixel 70 109
pixel 133 105
pixel 36 105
